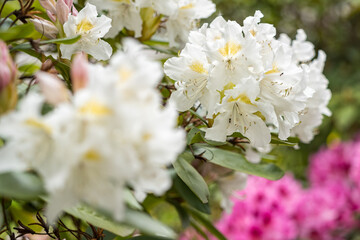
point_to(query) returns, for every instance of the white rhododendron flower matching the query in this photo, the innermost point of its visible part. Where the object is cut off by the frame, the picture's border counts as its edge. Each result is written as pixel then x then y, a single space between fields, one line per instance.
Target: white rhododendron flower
pixel 91 28
pixel 124 14
pixel 184 19
pixel 176 18
pixel 28 135
pixel 113 133
pixel 250 82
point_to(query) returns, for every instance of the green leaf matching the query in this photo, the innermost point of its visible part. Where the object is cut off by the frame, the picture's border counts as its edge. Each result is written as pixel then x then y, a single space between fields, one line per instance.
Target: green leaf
pixel 291 141
pixel 1 217
pixel 95 218
pixel 71 40
pixel 190 197
pixel 20 185
pixel 184 216
pixel 192 179
pixel 17 32
pixel 131 200
pixel 195 135
pixel 147 225
pixel 206 223
pixel 237 161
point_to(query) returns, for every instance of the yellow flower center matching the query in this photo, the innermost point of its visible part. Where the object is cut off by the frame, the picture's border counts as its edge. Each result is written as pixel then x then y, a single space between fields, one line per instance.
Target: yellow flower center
pixel 230 49
pixel 242 97
pixel 95 108
pixel 273 70
pixel 124 74
pixel 124 1
pixel 146 137
pixel 37 124
pixel 198 67
pixel 187 6
pixel 84 26
pixel 92 156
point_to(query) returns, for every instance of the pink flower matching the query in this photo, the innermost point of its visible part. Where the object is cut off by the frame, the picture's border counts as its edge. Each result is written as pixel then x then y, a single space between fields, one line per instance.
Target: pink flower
pixel 263 210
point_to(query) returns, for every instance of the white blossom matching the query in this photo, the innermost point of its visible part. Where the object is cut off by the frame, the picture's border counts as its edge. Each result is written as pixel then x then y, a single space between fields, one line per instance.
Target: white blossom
pixel 91 28
pixel 250 82
pixel 113 133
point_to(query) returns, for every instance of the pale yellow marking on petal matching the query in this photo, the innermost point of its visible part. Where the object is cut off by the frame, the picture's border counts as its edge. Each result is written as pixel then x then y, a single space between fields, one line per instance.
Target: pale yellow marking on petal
pixel 84 26
pixel 273 70
pixel 125 74
pixel 198 67
pixel 242 97
pixel 187 6
pixel 252 31
pixel 228 86
pixel 95 108
pixel 92 156
pixel 123 1
pixel 230 48
pixel 146 137
pixel 38 124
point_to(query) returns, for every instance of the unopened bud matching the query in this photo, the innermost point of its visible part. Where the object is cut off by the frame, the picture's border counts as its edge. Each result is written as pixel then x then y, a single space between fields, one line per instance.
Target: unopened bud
pixel 8 93
pixel 47 65
pixel 50 8
pixel 62 11
pixel 79 71
pixel 45 27
pixel 52 87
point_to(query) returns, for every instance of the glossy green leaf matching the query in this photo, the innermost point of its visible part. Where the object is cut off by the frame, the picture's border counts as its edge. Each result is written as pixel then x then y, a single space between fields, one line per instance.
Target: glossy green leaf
pixel 206 223
pixel 95 218
pixel 192 178
pixel 291 141
pixel 237 161
pixel 20 185
pixel 71 40
pixel 17 32
pixel 190 197
pixel 195 135
pixel 131 200
pixel 147 225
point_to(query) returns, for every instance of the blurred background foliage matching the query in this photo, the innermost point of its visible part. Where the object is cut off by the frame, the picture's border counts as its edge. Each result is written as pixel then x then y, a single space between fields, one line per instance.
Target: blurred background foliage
pixel 332 26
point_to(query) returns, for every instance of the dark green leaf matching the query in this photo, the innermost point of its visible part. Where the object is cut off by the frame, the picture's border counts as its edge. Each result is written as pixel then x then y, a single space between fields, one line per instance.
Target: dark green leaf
pixel 237 161
pixel 206 223
pixel 192 178
pixel 291 141
pixel 95 218
pixel 190 197
pixel 184 216
pixel 147 225
pixel 17 32
pixel 195 135
pixel 20 185
pixel 71 40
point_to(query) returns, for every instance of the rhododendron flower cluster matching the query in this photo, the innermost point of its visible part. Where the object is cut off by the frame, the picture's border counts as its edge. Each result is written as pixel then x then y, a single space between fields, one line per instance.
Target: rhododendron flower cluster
pixel 175 18
pixel 113 132
pixel 250 82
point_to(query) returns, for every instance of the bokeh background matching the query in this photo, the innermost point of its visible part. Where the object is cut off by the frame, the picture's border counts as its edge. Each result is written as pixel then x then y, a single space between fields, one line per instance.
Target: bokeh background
pixel 333 26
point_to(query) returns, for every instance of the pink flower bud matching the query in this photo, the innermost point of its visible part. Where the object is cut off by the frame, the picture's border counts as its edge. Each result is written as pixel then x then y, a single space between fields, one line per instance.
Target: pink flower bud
pixel 62 11
pixel 8 93
pixel 79 71
pixel 7 67
pixel 52 87
pixel 50 8
pixel 45 27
